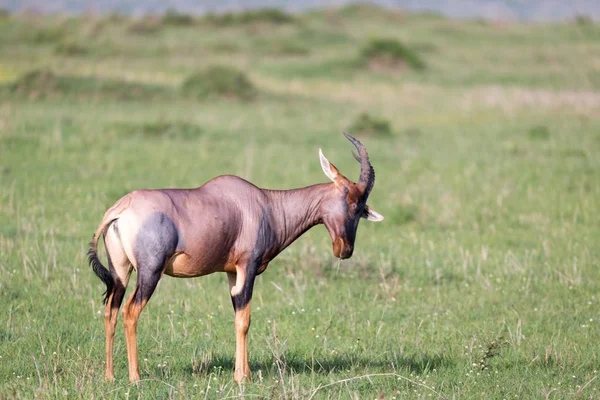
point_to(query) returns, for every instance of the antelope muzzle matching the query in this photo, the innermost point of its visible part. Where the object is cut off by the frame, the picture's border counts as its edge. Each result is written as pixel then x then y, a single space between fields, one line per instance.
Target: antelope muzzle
pixel 342 249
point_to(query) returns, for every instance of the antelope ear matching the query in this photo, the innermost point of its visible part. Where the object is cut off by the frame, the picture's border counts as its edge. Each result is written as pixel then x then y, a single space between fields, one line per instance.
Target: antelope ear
pixel 372 215
pixel 328 168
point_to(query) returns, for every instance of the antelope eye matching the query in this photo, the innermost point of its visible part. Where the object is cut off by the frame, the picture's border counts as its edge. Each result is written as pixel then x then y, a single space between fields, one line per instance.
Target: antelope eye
pixel 353 206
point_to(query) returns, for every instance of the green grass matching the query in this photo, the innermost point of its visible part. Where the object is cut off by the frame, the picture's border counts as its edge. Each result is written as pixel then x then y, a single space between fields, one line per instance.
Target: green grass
pixel 390 53
pixel 483 278
pixel 370 125
pixel 219 81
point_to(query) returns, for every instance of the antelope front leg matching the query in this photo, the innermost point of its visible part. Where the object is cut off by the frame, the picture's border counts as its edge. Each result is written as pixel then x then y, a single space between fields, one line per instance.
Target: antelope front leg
pixel 240 288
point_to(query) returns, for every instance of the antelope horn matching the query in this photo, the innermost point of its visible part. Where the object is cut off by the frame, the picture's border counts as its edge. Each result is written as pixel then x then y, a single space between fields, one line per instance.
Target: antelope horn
pixel 367 173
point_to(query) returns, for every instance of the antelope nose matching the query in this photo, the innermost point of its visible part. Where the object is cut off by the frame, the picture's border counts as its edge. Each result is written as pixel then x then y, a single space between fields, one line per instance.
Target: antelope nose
pixel 347 252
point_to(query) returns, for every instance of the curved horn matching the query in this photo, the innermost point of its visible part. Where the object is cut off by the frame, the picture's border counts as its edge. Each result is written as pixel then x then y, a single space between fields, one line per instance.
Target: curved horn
pixel 367 173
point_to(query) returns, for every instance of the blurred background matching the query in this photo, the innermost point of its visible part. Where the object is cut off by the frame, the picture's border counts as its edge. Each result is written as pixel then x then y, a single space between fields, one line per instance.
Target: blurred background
pixel 482 121
pixel 493 9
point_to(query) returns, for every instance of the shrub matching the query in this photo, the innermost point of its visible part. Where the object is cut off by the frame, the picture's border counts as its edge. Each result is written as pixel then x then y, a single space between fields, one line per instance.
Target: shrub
pixel 160 129
pixel 115 18
pixel 390 53
pixel 539 132
pixel 70 48
pixel 366 124
pixel 263 15
pixel 582 19
pixel 175 18
pixel 363 10
pixel 219 81
pixel 403 214
pixel 145 26
pixel 46 35
pixel 44 83
pixel 39 82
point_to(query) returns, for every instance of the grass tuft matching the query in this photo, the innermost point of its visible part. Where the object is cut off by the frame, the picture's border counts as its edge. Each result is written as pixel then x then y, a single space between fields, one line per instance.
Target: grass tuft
pixel 370 125
pixel 539 132
pixel 219 81
pixel 380 54
pixel 159 129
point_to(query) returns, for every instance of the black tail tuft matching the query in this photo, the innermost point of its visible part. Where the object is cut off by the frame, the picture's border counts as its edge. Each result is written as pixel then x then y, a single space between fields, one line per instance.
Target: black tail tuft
pixel 100 271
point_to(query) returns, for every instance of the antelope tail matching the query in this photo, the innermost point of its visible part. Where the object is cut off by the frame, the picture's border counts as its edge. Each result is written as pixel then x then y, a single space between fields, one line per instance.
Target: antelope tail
pixel 100 270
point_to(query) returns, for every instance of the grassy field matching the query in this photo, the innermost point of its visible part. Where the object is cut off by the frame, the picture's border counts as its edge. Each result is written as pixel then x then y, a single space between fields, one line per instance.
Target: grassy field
pixel 482 282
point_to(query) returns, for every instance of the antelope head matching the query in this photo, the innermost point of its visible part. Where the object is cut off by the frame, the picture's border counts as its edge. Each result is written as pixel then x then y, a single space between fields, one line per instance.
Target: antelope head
pixel 344 206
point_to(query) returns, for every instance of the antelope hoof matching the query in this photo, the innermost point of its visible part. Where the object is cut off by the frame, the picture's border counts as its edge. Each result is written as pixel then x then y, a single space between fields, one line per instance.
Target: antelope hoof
pixel 110 377
pixel 134 379
pixel 241 378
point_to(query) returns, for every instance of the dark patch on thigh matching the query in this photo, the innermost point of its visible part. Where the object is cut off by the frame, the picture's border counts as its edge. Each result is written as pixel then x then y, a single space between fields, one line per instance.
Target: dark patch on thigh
pixel 155 243
pixel 265 237
pixel 115 226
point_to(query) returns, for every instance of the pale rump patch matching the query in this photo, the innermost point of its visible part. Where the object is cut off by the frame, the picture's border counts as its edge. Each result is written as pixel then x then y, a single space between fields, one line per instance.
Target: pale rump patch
pixel 237 280
pixel 128 227
pixel 120 261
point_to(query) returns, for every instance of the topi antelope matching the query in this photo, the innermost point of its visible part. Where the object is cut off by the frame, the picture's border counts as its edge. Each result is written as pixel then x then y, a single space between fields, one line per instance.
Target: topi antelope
pixel 226 225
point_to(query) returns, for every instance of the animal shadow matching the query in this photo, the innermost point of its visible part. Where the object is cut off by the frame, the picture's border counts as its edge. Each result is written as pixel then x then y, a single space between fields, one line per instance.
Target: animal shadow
pixel 324 365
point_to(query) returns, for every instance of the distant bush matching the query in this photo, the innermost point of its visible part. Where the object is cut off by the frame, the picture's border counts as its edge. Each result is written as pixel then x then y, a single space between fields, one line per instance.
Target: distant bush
pixel 4 13
pixel 582 19
pixel 364 10
pixel 160 129
pixel 283 47
pixel 115 18
pixel 366 124
pixel 429 15
pixel 225 47
pixel 539 132
pixel 263 15
pixel 175 18
pixel 390 53
pixel 45 83
pixel 219 81
pixel 290 48
pixel 70 48
pixel 145 26
pixel 36 83
pixel 45 35
pixel 403 214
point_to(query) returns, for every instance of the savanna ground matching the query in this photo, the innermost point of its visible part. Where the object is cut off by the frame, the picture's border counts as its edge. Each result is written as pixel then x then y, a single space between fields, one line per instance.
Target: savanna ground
pixel 482 282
